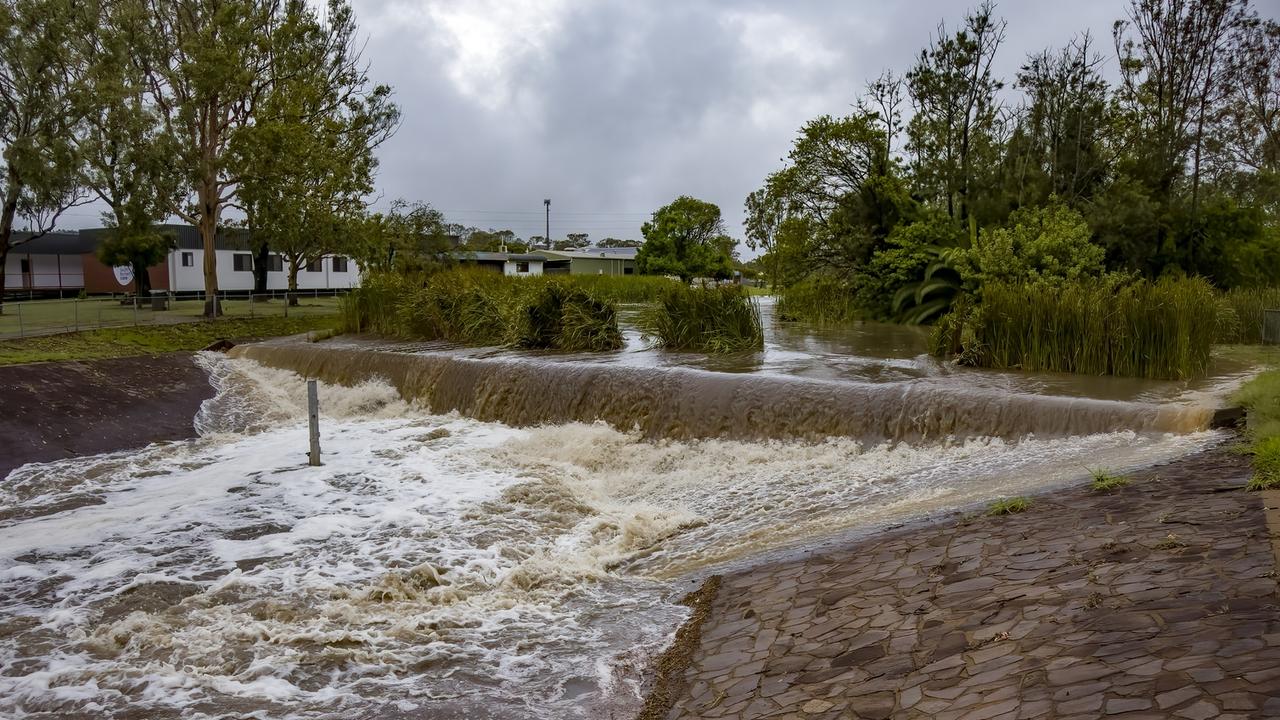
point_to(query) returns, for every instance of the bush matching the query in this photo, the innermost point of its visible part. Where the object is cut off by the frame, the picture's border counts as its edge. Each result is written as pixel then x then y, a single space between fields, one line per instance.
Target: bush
pixel 1242 308
pixel 1156 330
pixel 716 320
pixel 475 307
pixel 1050 244
pixel 820 300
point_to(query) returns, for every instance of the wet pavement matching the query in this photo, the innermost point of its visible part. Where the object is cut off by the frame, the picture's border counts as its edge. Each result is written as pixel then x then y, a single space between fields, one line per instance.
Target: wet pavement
pixel 1158 600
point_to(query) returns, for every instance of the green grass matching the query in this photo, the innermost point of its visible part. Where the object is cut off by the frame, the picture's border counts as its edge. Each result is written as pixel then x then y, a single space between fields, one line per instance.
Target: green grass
pixel 1161 329
pixel 1105 482
pixel 818 300
pixel 153 339
pixel 1261 396
pixel 615 288
pixel 1241 314
pixel 475 307
pixel 39 317
pixel 715 320
pixel 1008 506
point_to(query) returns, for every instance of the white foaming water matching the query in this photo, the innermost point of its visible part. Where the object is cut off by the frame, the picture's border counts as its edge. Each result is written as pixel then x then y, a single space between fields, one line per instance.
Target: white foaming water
pixel 435 565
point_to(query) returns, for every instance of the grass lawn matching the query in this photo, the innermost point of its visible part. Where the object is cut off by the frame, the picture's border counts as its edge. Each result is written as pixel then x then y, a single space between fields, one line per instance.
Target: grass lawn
pixel 157 338
pixel 38 317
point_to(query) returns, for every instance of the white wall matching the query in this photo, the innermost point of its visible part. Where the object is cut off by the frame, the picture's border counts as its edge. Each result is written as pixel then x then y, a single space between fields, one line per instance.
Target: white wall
pixel 509 268
pixel 47 271
pixel 187 279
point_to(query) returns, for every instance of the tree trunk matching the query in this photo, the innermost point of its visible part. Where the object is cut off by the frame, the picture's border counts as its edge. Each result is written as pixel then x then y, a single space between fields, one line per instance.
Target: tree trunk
pixel 208 199
pixel 6 228
pixel 260 268
pixel 293 280
pixel 141 280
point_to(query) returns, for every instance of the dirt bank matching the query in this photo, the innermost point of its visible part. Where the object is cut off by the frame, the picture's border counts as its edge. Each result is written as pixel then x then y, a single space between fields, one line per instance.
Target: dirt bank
pixel 63 409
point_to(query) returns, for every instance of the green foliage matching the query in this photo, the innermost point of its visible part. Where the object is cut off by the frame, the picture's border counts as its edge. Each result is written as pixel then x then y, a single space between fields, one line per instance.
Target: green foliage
pixel 915 279
pixel 715 320
pixel 819 299
pixel 1049 245
pixel 1008 506
pixel 620 288
pixel 477 307
pixel 1105 482
pixel 1240 313
pixel 1261 396
pixel 685 239
pixel 140 251
pixel 1158 329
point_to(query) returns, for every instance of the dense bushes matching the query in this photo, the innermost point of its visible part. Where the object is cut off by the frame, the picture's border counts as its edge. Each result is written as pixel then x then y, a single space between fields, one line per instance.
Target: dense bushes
pixel 718 320
pixel 1241 311
pixel 1158 329
pixel 473 307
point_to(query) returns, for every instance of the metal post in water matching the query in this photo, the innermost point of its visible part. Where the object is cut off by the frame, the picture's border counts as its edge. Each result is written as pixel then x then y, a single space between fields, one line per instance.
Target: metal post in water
pixel 313 421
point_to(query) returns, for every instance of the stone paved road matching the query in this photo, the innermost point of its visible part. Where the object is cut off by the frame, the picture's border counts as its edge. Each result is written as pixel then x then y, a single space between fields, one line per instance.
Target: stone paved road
pixel 1156 601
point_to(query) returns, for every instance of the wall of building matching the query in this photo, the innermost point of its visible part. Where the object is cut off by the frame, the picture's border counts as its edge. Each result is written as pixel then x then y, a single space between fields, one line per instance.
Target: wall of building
pixel 190 278
pixel 511 267
pixel 99 278
pixel 601 266
pixel 47 272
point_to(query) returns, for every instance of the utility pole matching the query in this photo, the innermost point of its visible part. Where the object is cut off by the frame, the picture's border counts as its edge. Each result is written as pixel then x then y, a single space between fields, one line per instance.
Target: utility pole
pixel 547 238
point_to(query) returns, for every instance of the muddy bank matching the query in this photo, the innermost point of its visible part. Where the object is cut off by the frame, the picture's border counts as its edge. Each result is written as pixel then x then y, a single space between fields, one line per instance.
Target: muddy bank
pixel 1159 597
pixel 63 409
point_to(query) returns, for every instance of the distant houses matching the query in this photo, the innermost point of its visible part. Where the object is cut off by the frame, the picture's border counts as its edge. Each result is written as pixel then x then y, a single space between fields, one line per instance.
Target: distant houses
pixel 587 261
pixel 62 263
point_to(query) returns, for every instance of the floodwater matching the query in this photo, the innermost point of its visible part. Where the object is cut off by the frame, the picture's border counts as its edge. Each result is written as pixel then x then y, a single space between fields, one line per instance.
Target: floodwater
pixel 458 557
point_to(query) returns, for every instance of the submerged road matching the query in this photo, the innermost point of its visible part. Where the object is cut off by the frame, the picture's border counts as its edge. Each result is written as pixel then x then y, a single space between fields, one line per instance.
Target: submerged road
pixel 1158 600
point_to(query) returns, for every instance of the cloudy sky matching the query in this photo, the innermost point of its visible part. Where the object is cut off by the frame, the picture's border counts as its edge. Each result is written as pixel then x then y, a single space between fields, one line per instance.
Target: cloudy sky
pixel 613 108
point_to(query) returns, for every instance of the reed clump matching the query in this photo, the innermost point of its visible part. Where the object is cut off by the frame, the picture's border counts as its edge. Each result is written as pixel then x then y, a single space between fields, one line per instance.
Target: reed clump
pixel 1241 311
pixel 818 300
pixel 1161 329
pixel 714 320
pixel 475 307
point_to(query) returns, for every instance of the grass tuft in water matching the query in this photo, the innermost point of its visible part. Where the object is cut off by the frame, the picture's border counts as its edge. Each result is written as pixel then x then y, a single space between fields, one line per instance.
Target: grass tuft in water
pixel 714 320
pixel 1105 482
pixel 1008 506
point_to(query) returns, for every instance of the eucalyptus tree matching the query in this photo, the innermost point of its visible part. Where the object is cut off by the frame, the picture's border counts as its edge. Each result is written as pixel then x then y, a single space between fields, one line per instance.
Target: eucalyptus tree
pixel 953 134
pixel 307 164
pixel 40 79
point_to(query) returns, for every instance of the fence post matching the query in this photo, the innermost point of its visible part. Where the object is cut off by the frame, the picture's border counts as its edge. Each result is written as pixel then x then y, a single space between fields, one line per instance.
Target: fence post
pixel 313 422
pixel 21 332
pixel 135 309
pixel 75 313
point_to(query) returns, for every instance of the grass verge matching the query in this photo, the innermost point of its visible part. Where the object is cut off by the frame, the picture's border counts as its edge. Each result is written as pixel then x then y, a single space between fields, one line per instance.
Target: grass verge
pixel 153 339
pixel 1261 396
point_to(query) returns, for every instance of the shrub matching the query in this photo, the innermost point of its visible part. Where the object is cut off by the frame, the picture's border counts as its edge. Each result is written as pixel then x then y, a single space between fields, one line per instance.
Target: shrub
pixel 1009 506
pixel 716 320
pixel 562 317
pixel 1158 330
pixel 1050 244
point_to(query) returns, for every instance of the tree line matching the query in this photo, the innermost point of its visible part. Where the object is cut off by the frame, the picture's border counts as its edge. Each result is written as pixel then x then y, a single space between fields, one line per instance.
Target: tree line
pixel 189 108
pixel 946 174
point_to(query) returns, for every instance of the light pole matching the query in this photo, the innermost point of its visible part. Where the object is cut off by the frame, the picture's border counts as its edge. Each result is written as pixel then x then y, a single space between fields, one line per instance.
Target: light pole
pixel 547 238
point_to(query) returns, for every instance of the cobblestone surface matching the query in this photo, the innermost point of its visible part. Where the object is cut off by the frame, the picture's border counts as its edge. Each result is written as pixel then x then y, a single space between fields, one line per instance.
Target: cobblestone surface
pixel 1158 600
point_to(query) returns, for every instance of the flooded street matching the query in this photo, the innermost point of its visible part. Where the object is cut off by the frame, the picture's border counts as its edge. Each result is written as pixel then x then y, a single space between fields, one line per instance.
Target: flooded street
pixel 446 564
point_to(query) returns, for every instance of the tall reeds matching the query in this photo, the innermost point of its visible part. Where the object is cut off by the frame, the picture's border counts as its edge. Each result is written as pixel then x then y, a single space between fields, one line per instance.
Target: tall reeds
pixel 475 307
pixel 715 320
pixel 1160 329
pixel 818 300
pixel 1241 314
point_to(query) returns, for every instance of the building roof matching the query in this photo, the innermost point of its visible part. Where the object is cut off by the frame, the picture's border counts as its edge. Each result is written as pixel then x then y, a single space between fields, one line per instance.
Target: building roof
pixel 496 256
pixel 622 253
pixel 54 243
pixel 187 237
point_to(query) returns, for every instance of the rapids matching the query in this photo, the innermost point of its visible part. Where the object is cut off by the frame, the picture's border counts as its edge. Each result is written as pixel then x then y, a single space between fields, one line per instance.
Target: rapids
pixel 487 537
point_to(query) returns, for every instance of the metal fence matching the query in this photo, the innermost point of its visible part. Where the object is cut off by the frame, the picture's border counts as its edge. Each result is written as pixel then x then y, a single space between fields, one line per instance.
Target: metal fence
pixel 1271 327
pixel 49 317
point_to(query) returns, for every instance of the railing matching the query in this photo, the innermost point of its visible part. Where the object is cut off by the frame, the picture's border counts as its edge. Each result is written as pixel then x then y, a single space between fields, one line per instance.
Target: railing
pixel 49 317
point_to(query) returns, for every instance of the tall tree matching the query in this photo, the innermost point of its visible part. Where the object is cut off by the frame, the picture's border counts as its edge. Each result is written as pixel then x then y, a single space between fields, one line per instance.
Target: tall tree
pixel 40 79
pixel 685 238
pixel 952 137
pixel 208 69
pixel 306 164
pixel 765 212
pixel 1248 131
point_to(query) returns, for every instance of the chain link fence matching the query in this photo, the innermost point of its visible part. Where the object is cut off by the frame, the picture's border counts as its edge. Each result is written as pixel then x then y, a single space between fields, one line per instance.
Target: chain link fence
pixel 48 317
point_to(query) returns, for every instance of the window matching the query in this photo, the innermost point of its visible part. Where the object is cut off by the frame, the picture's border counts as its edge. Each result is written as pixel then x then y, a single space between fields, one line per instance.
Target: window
pixel 275 263
pixel 314 266
pixel 522 267
pixel 628 271
pixel 188 259
pixel 242 262
pixel 339 264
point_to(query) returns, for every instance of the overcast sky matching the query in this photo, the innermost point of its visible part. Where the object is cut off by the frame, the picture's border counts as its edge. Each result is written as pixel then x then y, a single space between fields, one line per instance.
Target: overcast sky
pixel 614 108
